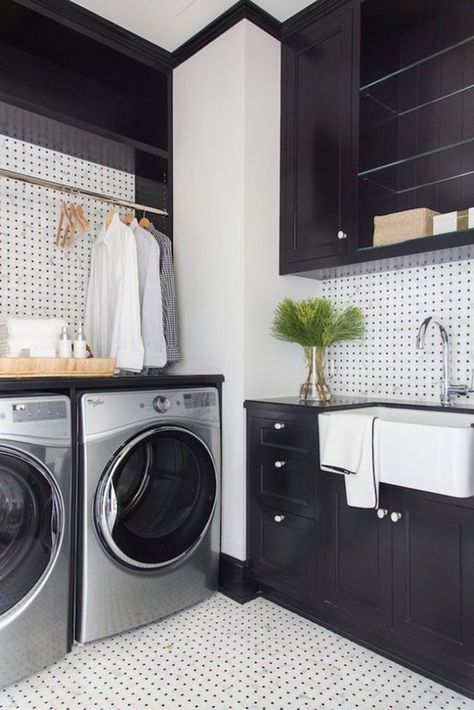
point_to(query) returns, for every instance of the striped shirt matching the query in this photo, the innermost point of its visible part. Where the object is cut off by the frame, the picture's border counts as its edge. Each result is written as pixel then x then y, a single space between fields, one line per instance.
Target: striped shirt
pixel 170 318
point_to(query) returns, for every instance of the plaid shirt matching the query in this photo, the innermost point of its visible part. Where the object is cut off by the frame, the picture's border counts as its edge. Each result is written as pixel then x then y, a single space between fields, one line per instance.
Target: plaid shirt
pixel 170 319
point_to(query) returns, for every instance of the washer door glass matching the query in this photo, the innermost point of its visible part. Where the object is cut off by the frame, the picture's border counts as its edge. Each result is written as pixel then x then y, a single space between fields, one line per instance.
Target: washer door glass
pixel 157 498
pixel 28 526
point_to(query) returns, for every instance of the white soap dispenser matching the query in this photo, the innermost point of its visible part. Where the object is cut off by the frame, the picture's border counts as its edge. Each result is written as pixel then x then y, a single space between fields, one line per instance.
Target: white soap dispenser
pixel 65 346
pixel 80 345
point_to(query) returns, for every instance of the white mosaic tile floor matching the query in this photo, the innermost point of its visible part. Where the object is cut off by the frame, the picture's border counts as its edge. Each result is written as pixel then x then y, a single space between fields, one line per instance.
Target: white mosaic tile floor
pixel 220 655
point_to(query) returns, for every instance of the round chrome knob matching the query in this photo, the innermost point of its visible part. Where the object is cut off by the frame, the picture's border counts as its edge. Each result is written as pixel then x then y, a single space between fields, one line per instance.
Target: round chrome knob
pixel 382 513
pixel 395 517
pixel 279 425
pixel 161 404
pixel 341 234
pixel 279 464
pixel 279 518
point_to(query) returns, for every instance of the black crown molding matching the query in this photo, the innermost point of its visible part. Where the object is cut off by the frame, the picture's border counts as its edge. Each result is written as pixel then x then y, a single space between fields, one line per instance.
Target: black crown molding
pixel 118 38
pixel 243 10
pixel 313 13
pixel 98 28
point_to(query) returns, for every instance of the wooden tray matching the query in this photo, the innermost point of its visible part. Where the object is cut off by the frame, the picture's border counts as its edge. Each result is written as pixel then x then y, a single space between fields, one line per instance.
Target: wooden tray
pixel 56 367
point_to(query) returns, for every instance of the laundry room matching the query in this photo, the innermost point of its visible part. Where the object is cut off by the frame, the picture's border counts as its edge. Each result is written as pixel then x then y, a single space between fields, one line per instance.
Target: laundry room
pixel 236 370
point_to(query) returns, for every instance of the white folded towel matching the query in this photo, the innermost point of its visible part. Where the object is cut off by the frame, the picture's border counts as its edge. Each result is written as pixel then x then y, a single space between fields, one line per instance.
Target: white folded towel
pixel 349 450
pixel 20 328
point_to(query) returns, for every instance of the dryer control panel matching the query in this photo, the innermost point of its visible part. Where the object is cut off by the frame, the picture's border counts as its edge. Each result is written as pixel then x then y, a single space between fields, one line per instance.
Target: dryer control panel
pixel 103 412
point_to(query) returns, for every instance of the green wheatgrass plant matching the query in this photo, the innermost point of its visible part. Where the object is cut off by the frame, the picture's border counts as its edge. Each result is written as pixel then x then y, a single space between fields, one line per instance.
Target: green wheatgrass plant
pixel 316 323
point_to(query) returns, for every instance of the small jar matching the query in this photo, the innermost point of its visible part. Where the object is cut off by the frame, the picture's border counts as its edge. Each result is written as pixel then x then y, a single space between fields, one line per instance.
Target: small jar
pixel 65 345
pixel 80 345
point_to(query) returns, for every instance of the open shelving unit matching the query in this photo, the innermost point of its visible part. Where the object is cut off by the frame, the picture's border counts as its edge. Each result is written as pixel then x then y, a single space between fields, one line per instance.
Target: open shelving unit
pixel 106 93
pixel 416 124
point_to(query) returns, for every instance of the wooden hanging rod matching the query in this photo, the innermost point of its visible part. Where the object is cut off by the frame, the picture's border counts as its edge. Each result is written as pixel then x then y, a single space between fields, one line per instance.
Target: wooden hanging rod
pixel 74 191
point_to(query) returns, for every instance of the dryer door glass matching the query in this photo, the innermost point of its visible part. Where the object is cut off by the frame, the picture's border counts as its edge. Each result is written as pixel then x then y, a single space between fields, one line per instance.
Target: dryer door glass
pixel 157 498
pixel 28 527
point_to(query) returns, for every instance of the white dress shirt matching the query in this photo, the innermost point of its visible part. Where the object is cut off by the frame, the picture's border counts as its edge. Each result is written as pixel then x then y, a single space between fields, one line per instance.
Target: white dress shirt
pixel 148 253
pixel 112 322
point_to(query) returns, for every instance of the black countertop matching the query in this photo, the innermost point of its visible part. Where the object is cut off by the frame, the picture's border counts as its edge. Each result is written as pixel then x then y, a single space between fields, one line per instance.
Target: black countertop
pixel 349 402
pixel 55 384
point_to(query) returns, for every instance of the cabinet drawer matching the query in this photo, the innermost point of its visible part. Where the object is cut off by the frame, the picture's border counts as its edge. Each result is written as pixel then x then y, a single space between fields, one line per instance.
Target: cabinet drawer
pixel 283 433
pixel 282 549
pixel 285 482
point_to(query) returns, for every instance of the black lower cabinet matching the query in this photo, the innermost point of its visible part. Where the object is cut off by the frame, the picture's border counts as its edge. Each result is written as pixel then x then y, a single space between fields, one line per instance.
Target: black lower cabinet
pixel 357 557
pixel 433 576
pixel 282 550
pixel 399 579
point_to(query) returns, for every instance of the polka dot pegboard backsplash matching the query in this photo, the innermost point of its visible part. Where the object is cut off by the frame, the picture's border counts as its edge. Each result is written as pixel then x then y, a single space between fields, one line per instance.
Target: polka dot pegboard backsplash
pixel 36 277
pixel 386 363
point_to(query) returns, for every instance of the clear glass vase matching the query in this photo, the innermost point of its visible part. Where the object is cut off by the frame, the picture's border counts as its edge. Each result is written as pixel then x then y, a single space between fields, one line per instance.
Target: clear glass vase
pixel 315 388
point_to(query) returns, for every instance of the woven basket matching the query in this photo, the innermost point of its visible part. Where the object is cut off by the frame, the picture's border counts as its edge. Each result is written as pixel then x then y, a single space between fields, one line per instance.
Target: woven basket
pixel 402 226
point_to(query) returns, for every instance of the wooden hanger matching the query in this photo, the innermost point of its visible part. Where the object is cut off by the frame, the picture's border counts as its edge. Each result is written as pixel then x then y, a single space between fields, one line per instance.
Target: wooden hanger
pixel 79 222
pixel 128 218
pixel 144 222
pixel 81 218
pixel 63 237
pixel 59 230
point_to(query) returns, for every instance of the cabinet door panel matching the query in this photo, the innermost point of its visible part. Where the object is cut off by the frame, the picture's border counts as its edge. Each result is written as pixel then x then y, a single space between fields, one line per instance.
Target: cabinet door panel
pixel 357 556
pixel 287 483
pixel 283 553
pixel 316 140
pixel 281 432
pixel 433 548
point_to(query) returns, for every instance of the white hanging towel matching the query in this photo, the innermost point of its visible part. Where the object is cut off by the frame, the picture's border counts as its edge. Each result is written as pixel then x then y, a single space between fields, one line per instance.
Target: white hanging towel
pixel 112 322
pixel 148 254
pixel 349 450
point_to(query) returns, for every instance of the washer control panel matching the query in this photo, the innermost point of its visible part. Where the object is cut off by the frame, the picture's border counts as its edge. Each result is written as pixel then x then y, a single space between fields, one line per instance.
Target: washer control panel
pixel 40 417
pixel 38 410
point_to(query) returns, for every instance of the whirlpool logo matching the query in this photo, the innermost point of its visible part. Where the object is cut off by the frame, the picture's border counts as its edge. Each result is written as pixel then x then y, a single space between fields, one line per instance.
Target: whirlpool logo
pixel 95 402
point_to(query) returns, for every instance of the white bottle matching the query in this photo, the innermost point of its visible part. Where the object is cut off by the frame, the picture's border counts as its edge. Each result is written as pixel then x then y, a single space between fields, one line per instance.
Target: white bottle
pixel 80 345
pixel 65 346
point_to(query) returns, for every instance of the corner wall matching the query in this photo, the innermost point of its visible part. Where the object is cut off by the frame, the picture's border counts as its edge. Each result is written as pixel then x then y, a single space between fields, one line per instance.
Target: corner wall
pixel 226 216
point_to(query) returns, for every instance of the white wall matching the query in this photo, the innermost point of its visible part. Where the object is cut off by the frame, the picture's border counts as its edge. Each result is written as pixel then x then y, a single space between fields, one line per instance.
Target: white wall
pixel 271 367
pixel 226 211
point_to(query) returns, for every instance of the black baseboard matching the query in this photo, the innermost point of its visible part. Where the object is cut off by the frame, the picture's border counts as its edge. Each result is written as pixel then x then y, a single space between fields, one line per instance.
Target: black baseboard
pixel 234 580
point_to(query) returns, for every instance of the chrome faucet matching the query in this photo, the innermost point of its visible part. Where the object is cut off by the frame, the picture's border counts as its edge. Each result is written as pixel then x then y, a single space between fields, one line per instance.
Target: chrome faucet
pixel 447 390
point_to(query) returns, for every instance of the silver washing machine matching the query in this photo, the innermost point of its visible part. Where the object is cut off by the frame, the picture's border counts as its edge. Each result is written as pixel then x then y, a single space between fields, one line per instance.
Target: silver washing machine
pixel 149 517
pixel 35 497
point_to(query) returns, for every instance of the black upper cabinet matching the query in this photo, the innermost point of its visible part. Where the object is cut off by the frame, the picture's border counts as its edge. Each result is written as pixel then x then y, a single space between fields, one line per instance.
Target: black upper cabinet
pixel 377 118
pixel 416 108
pixel 317 124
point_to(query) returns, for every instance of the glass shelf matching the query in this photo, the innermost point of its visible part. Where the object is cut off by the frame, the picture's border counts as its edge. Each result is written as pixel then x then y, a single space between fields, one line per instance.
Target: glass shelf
pixel 418 186
pixel 414 65
pixel 394 113
pixel 411 158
